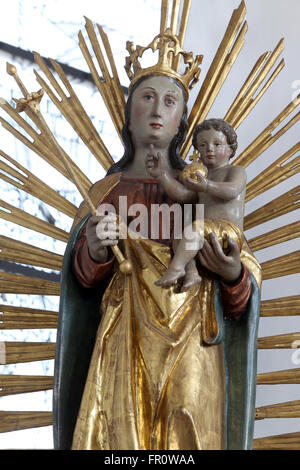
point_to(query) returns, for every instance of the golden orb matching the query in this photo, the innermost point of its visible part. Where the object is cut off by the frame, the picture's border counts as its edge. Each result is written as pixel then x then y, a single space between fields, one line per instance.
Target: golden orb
pixel 126 267
pixel 190 171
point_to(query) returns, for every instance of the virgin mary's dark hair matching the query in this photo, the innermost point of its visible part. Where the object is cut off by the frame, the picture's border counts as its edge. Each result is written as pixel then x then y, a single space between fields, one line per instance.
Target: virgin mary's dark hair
pixel 175 144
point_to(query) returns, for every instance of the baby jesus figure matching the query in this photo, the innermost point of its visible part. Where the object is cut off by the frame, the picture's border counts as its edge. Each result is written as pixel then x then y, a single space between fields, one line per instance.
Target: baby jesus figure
pixel 222 192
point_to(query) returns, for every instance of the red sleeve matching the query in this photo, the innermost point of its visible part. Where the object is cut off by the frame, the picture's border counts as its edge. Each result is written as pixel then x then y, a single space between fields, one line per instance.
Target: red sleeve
pixel 235 296
pixel 88 272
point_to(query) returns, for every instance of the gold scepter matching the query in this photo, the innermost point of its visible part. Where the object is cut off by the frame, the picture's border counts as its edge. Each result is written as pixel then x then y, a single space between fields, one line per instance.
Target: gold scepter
pixel 31 102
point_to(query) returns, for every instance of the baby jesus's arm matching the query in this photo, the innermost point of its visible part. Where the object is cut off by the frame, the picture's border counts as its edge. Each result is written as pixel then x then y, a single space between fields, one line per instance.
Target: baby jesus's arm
pixel 228 189
pixel 175 189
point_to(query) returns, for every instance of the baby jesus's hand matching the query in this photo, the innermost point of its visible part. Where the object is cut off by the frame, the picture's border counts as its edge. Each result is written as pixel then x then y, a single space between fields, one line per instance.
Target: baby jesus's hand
pixel 154 163
pixel 199 185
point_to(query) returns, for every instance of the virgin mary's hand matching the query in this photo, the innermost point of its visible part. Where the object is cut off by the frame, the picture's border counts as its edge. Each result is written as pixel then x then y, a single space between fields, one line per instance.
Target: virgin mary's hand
pixel 212 257
pixel 101 232
pixel 154 163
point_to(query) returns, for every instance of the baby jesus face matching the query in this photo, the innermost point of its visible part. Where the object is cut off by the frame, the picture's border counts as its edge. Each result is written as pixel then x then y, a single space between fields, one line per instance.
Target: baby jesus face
pixel 213 148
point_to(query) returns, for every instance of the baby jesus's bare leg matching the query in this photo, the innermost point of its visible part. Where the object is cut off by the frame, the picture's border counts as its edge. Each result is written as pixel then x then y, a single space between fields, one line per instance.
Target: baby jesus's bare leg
pixel 192 276
pixel 183 263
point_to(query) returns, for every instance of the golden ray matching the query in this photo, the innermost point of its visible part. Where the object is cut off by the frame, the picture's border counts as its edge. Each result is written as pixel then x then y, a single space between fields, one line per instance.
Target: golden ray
pixel 115 82
pixel 110 89
pixel 39 144
pixel 20 252
pixel 245 101
pixel 281 306
pixel 17 420
pixel 223 61
pixel 281 266
pixel 12 317
pixel 20 217
pixel 18 284
pixel 20 351
pixel 175 16
pixel 73 111
pixel 182 29
pixel 250 105
pixel 184 20
pixel 276 173
pixel 265 139
pixel 289 409
pixel 15 384
pixel 30 104
pixel 278 235
pixel 164 16
pixel 283 204
pixel 285 341
pixel 233 109
pixel 288 376
pixel 290 441
pixel 21 178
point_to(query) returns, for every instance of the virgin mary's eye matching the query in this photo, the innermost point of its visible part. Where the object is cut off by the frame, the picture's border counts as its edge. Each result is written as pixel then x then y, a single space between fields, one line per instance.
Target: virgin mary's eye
pixel 170 101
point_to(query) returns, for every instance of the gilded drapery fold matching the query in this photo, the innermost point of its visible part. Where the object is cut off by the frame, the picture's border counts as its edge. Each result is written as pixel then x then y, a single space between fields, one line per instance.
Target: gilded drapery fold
pixel 152 383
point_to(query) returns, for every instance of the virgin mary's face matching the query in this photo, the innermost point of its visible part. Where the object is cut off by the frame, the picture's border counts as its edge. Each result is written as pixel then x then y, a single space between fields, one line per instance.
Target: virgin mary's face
pixel 156 109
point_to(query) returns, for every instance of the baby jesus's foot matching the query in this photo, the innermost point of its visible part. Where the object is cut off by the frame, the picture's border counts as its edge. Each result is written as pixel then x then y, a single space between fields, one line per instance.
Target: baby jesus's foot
pixel 170 277
pixel 190 279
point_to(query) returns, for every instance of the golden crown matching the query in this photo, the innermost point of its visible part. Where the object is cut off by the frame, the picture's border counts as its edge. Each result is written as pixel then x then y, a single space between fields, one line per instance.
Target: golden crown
pixel 170 51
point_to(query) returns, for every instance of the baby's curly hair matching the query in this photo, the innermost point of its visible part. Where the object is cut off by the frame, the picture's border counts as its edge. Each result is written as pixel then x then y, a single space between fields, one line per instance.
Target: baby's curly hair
pixel 218 125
